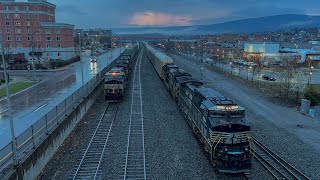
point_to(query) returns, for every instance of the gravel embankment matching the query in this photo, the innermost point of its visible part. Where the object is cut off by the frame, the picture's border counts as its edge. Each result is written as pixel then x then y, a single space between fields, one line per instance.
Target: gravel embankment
pixel 271 124
pixel 63 163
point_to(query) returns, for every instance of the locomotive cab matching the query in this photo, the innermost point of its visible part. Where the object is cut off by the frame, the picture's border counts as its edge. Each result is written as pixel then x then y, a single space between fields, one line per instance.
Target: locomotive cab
pixel 228 135
pixel 114 84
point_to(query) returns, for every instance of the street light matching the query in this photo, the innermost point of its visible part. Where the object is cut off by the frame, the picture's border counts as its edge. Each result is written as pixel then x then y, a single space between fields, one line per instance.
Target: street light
pixel 13 136
pixel 80 56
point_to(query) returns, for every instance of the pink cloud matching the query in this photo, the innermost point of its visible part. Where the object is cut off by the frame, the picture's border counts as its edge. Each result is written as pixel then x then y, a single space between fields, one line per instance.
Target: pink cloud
pixel 159 19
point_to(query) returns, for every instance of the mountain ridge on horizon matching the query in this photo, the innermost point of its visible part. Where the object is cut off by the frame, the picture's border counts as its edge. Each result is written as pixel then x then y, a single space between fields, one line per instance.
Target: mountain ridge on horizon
pixel 259 24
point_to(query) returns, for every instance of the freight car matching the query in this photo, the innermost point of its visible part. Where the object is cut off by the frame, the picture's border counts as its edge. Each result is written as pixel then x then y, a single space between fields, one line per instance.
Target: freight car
pixel 217 121
pixel 158 59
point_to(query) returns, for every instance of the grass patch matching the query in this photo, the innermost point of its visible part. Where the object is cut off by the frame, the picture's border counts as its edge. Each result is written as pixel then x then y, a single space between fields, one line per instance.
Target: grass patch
pixel 19 86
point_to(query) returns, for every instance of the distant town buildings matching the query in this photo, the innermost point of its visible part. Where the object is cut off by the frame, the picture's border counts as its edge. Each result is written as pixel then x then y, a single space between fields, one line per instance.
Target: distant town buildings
pixel 91 36
pixel 261 51
pixel 30 28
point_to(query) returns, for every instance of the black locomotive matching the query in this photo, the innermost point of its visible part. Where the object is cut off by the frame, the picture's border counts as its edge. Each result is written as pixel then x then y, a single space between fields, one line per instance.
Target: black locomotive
pixel 217 121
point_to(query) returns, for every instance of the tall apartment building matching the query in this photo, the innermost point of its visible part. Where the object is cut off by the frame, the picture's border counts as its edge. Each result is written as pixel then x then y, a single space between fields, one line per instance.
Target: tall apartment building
pixel 28 27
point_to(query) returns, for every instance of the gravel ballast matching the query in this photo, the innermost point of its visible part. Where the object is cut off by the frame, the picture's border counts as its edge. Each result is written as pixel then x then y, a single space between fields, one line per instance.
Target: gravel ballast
pixel 172 151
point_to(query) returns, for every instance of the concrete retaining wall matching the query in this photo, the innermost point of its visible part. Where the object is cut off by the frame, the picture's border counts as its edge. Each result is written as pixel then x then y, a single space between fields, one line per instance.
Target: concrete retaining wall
pixel 33 165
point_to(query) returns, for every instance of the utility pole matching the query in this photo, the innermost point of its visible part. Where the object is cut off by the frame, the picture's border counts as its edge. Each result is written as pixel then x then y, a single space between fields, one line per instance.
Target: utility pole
pixel 13 137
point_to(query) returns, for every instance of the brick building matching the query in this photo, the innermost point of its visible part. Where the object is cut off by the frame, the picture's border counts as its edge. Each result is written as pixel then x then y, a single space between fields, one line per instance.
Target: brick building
pixel 30 28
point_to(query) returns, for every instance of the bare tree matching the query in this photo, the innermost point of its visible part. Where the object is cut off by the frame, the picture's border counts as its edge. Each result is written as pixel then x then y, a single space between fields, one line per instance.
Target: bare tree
pixel 255 70
pixel 289 66
pixel 299 84
pixel 38 52
pixel 240 68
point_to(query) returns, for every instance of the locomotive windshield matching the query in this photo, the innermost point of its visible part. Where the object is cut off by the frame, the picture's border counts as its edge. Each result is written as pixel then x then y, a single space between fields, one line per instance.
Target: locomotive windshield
pixel 119 78
pixel 227 114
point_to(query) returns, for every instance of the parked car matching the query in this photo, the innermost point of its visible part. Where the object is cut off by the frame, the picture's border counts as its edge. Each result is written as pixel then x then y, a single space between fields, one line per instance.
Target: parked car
pixel 268 77
pixel 251 64
pixel 93 59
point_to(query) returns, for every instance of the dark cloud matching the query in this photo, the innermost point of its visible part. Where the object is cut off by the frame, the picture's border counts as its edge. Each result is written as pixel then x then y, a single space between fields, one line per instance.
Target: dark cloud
pixel 119 13
pixel 70 10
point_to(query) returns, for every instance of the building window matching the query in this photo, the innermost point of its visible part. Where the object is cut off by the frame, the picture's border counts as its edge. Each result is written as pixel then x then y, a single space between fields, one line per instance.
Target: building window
pixel 58 39
pixel 38 38
pixel 9 38
pixel 7 23
pixel 37 16
pixel 27 16
pixel 26 8
pixel 19 38
pixel 8 30
pixel 29 38
pixel 18 31
pixel 49 18
pixel 9 45
pixel 48 31
pixel 58 31
pixel 16 8
pixel 28 31
pixel 19 45
pixel 17 23
pixel 49 45
pixel 59 45
pixel 59 54
pixel 5 8
pixel 48 38
pixel 6 16
pixel 27 23
pixel 17 16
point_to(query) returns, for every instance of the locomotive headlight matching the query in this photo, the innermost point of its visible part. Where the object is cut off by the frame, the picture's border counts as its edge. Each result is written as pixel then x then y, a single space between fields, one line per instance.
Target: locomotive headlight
pixel 220 107
pixel 246 148
pixel 234 107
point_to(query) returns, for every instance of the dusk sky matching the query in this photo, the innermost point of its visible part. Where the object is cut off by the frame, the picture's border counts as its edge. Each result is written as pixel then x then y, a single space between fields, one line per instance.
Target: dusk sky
pixel 133 13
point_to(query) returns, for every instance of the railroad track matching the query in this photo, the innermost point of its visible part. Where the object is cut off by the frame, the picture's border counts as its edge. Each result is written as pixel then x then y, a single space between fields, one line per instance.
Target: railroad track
pixel 89 166
pixel 275 165
pixel 135 160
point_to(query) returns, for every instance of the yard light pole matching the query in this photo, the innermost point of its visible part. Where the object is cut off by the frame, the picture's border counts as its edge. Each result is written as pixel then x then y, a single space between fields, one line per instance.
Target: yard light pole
pixel 13 137
pixel 310 72
pixel 80 56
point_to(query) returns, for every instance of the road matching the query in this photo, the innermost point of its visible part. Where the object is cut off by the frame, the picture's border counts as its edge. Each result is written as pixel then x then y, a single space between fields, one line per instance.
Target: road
pixel 246 72
pixel 30 106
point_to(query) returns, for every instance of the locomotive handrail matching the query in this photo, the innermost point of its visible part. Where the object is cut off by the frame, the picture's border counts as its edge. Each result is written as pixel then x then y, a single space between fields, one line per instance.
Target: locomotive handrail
pixel 214 149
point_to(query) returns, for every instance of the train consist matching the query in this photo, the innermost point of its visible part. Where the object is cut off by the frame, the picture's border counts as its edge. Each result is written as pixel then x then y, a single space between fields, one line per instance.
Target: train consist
pixel 217 121
pixel 116 79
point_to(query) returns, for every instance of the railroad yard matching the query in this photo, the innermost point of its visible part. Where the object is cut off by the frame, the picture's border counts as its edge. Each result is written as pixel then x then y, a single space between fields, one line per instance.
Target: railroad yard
pixel 160 140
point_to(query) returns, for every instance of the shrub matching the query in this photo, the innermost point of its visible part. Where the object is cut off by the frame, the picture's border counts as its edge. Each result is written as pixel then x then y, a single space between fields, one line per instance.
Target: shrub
pixel 62 63
pixel 313 95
